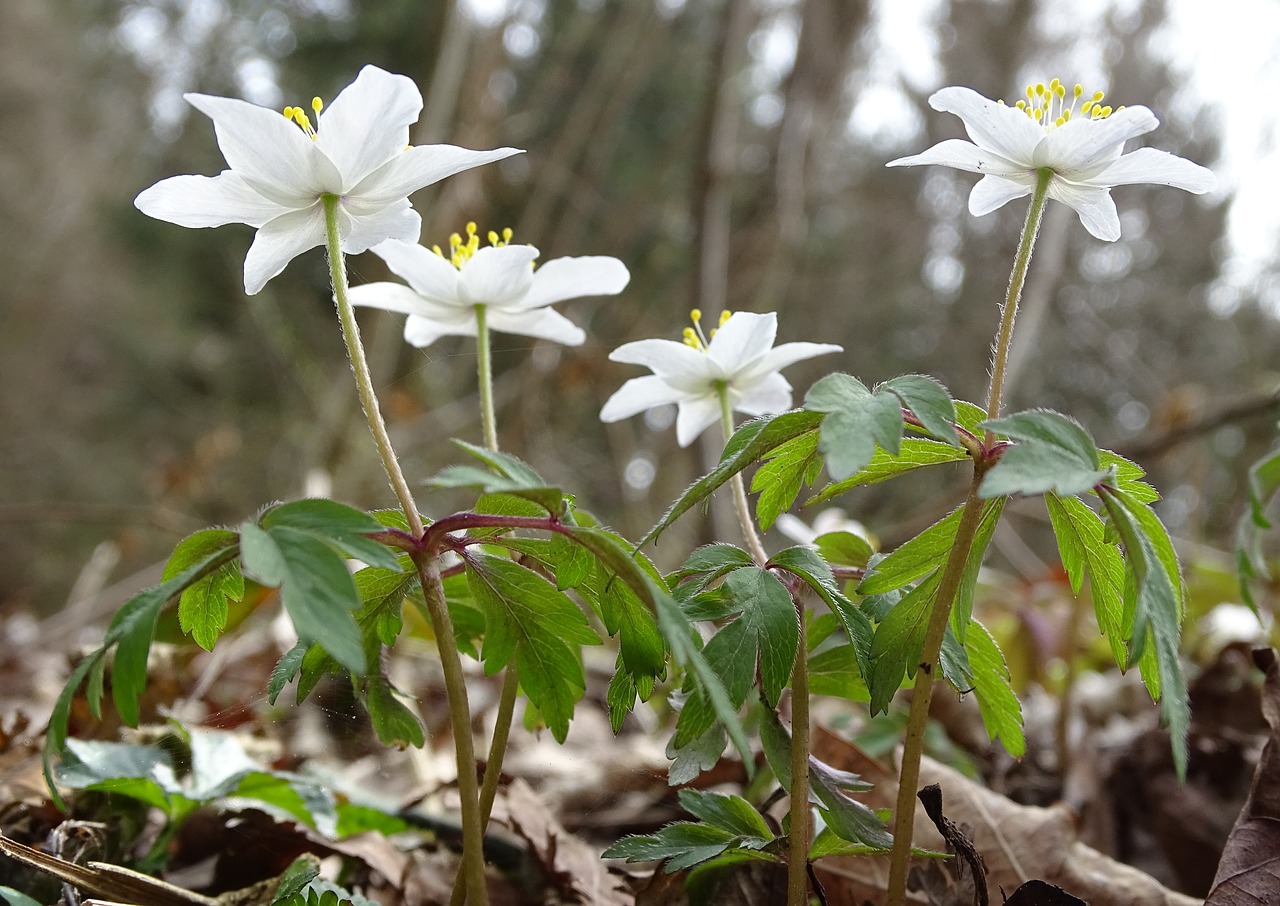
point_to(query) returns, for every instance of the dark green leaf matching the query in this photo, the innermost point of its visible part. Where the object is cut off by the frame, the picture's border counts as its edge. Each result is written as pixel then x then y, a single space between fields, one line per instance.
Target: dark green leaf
pixel 729 813
pixel 930 402
pixel 683 843
pixel 285 670
pixel 895 648
pixel 750 442
pixel 344 526
pixel 698 755
pixel 1052 453
pixel 962 607
pixel 711 561
pixel 297 876
pixel 805 563
pixel 15 898
pixel 767 624
pixel 504 464
pixel 392 720
pixel 531 623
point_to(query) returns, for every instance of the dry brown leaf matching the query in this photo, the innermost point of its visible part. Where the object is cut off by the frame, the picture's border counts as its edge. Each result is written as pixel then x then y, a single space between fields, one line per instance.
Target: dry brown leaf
pixel 1249 872
pixel 571 864
pixel 1017 842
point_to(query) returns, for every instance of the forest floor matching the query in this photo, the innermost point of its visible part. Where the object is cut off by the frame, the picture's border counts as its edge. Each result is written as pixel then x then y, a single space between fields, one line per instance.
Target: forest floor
pixel 1094 807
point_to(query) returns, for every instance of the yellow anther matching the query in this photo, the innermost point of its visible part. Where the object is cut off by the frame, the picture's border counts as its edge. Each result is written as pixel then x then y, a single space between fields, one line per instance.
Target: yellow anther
pixel 493 238
pixel 1097 96
pixel 696 315
pixel 690 337
pixel 507 233
pixel 1021 105
pixel 436 249
pixel 1078 90
pixel 1039 89
pixel 455 240
pixel 1059 91
pixel 725 316
pixel 1118 109
pixel 317 105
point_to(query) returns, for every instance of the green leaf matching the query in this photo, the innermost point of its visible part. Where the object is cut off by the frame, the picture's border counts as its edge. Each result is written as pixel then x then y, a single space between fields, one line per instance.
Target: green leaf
pixel 509 475
pixel 15 898
pixel 962 607
pixel 197 547
pixel 834 671
pixel 857 421
pixel 805 563
pixel 729 813
pixel 895 648
pixel 1127 476
pixel 750 442
pixel 683 843
pixel 504 464
pixel 297 876
pixel 1053 453
pixel 844 548
pixel 571 563
pixel 930 402
pixel 56 734
pixel 203 607
pixel 392 720
pixel 531 623
pixel 1157 608
pixel 913 559
pixel 767 632
pixel 1000 708
pixel 145 773
pixel 710 562
pixel 692 758
pixel 850 819
pixel 914 453
pixel 315 587
pixel 1084 551
pixel 345 527
pixel 779 479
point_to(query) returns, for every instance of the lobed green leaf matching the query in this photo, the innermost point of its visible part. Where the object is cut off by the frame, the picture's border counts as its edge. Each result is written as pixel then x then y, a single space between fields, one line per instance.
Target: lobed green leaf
pixel 930 402
pixel 1053 453
pixel 914 453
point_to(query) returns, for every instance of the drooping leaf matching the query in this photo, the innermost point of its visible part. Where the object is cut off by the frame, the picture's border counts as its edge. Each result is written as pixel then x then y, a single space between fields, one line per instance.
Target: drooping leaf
pixel 750 442
pixel 285 670
pixel 914 453
pixel 1000 708
pixel 683 844
pixel 1084 551
pixel 1052 453
pixel 710 562
pixel 392 720
pixel 1157 607
pixel 529 622
pixel 930 402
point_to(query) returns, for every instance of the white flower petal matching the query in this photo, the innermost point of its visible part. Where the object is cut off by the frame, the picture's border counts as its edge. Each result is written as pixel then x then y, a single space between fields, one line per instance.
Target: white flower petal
pixel 963 155
pixel 742 339
pixel 770 394
pixel 1078 148
pixel 396 221
pixel 992 192
pixel 1147 165
pixel 428 273
pixel 1094 205
pixel 389 297
pixel 787 354
pixel 413 168
pixel 497 276
pixel 1006 131
pixel 666 358
pixel 422 332
pixel 543 323
pixel 272 154
pixel 571 278
pixel 637 395
pixel 368 123
pixel 207 201
pixel 695 416
pixel 278 242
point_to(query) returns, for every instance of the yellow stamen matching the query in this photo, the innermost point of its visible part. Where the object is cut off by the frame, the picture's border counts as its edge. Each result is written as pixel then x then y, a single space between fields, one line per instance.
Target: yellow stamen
pixel 462 248
pixel 1049 105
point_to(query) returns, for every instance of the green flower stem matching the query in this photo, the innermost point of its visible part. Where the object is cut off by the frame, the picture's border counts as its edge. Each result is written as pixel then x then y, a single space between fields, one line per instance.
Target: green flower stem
pixel 740 490
pixel 1017 277
pixel 484 370
pixel 428 568
pixel 360 367
pixel 798 841
pixel 953 571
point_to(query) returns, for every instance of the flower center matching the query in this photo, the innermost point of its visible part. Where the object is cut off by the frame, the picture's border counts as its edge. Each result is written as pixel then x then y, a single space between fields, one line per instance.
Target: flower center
pixel 694 337
pixel 461 250
pixel 299 116
pixel 1048 104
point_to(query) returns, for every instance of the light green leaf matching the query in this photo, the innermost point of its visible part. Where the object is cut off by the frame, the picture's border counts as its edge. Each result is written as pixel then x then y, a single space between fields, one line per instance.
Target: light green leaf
pixel 914 453
pixel 857 421
pixel 392 720
pixel 767 624
pixel 805 563
pixel 343 526
pixel 779 479
pixel 683 843
pixel 913 559
pixel 729 813
pixel 1052 453
pixel 1084 551
pixel 15 898
pixel 1000 708
pixel 203 607
pixel 834 671
pixel 844 548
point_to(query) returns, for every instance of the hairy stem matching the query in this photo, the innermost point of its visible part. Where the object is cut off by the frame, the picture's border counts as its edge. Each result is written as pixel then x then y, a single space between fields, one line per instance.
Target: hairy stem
pixel 484 372
pixel 798 841
pixel 953 570
pixel 740 505
pixel 428 567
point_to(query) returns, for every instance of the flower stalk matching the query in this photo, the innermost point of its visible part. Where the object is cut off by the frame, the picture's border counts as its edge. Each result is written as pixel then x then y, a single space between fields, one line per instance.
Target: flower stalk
pixel 740 504
pixel 953 570
pixel 428 567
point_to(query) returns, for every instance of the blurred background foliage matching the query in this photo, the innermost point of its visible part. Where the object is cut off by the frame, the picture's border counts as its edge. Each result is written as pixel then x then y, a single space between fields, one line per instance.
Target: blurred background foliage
pixel 730 153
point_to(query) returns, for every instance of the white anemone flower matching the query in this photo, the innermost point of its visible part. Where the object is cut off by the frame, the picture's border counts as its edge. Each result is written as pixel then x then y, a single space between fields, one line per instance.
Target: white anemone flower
pixel 1012 144
pixel 282 167
pixel 739 361
pixel 443 293
pixel 832 519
